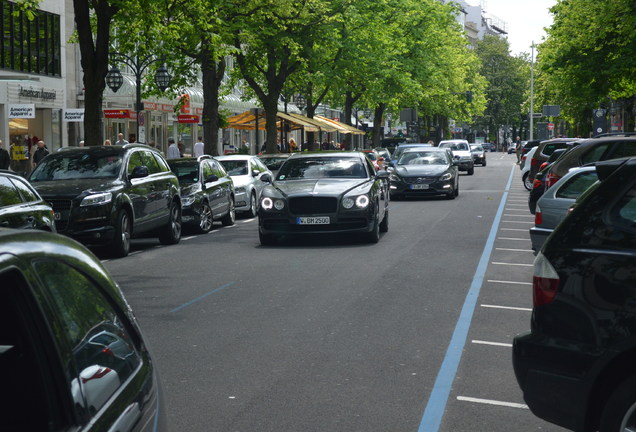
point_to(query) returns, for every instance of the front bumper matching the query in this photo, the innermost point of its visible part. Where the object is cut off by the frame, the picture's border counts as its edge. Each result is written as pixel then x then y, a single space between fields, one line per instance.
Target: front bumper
pixel 272 222
pixel 479 159
pixel 91 225
pixel 426 188
pixel 241 201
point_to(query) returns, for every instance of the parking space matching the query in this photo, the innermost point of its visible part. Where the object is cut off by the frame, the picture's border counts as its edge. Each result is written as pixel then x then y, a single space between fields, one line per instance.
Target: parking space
pixel 485 391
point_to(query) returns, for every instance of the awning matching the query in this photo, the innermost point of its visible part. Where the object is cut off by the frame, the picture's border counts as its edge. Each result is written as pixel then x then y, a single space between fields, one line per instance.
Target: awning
pixel 247 121
pixel 342 127
pixel 298 121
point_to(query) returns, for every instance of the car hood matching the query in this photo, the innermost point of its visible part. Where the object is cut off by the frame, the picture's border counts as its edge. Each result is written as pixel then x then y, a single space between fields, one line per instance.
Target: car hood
pixel 73 188
pixel 322 187
pixel 420 170
pixel 243 180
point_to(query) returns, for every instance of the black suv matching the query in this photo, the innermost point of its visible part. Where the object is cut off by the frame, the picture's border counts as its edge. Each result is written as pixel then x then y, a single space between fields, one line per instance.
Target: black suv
pixel 104 195
pixel 577 365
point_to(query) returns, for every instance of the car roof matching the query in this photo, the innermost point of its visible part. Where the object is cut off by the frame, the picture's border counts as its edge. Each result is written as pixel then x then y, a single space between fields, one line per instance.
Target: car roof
pixel 235 157
pixel 272 155
pixel 332 154
pixel 436 149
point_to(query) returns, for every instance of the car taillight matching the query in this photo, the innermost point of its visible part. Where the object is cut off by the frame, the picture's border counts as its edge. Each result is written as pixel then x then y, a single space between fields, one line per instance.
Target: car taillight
pixel 538 217
pixel 533 162
pixel 543 165
pixel 551 179
pixel 537 184
pixel 523 158
pixel 545 281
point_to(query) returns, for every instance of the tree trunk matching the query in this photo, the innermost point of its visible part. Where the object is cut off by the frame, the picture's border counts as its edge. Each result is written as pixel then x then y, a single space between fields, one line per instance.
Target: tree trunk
pixel 377 124
pixel 311 136
pixel 212 75
pixel 271 110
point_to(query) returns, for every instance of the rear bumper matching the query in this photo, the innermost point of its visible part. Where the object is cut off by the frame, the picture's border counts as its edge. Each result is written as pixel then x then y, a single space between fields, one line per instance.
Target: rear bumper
pixel 538 236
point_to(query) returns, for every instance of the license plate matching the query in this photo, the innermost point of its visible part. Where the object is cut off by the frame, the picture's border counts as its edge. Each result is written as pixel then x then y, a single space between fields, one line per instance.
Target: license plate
pixel 320 220
pixel 419 186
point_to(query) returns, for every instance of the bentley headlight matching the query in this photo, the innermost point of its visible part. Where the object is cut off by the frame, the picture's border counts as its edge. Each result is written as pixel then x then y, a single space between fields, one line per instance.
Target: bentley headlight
pixel 267 203
pixel 362 201
pixel 279 205
pixel 446 177
pixel 348 203
pixel 97 199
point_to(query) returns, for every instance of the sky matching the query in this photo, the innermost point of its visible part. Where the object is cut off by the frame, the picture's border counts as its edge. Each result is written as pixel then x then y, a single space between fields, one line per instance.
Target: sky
pixel 525 20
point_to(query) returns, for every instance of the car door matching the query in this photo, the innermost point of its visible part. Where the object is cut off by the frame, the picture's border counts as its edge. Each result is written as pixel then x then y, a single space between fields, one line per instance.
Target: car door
pixel 159 190
pixel 257 165
pixel 226 182
pixel 213 189
pixel 140 191
pixel 13 212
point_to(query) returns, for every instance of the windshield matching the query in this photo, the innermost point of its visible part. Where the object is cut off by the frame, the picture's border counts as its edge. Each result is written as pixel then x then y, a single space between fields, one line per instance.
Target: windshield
pixel 398 151
pixel 423 158
pixel 273 163
pixel 476 148
pixel 370 155
pixel 235 167
pixel 321 167
pixel 77 166
pixel 454 146
pixel 187 173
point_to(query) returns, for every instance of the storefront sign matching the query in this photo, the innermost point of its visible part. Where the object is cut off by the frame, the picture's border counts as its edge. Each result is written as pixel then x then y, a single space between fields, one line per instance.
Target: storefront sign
pixel 21 110
pixel 116 113
pixel 74 115
pixel 150 106
pixel 186 118
pixel 198 111
pixel 167 108
pixel 37 94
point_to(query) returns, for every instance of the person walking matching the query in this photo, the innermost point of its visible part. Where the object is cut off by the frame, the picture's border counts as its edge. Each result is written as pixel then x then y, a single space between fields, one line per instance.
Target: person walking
pixel 40 153
pixel 5 158
pixel 120 139
pixel 173 149
pixel 199 147
pixel 518 149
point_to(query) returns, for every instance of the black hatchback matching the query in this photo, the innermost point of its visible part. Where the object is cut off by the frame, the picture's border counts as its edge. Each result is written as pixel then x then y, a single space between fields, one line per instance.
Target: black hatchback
pixel 104 195
pixel 577 365
pixel 72 356
pixel 21 207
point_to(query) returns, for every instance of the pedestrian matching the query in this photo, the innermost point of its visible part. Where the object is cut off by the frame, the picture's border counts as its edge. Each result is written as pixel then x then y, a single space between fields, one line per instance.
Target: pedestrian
pixel 40 153
pixel 107 142
pixel 121 140
pixel 81 143
pixel 518 149
pixel 199 147
pixel 180 147
pixel 292 145
pixel 173 149
pixel 5 158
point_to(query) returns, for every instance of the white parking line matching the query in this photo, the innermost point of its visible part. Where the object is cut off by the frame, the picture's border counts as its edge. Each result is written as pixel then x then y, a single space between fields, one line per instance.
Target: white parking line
pixel 512 264
pixel 509 282
pixel 518 222
pixel 492 402
pixel 513 229
pixel 513 238
pixel 248 220
pixel 507 307
pixel 187 238
pixel 514 250
pixel 501 344
pixel 519 215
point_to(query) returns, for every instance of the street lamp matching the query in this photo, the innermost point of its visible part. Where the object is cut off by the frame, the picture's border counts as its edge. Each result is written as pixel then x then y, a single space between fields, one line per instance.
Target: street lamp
pixel 300 102
pixel 138 65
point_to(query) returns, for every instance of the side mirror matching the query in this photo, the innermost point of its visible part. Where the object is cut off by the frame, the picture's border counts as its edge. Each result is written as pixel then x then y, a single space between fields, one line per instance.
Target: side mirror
pixel 266 178
pixel 392 164
pixel 139 172
pixel 211 178
pixel 255 173
pixel 383 174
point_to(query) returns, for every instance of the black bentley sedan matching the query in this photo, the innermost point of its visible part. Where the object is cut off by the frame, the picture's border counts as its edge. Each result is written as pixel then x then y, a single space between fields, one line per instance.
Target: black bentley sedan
pixel 325 193
pixel 425 172
pixel 207 192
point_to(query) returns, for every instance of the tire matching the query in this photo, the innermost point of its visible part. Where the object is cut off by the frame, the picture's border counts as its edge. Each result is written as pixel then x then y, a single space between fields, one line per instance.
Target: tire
pixel 120 247
pixel 384 225
pixel 484 162
pixel 456 190
pixel 267 239
pixel 527 183
pixel 374 235
pixel 253 211
pixel 471 170
pixel 451 195
pixel 619 413
pixel 206 219
pixel 171 233
pixel 230 217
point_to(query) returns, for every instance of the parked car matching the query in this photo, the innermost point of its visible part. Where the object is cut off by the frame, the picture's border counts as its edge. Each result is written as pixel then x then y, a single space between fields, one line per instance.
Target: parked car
pixel 425 172
pixel 207 192
pixel 592 150
pixel 104 195
pixel 529 145
pixel 317 193
pixel 576 365
pixel 555 202
pixel 72 356
pixel 544 150
pixel 246 172
pixel 273 161
pixel 489 147
pixel 525 169
pixel 479 154
pixel 21 206
pixel 539 184
pixel 403 147
pixel 461 153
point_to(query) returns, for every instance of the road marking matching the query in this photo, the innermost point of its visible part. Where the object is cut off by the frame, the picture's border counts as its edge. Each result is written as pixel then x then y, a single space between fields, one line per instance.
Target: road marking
pixel 501 344
pixel 520 215
pixel 518 222
pixel 507 307
pixel 492 402
pixel 436 405
pixel 514 238
pixel 187 238
pixel 512 264
pixel 514 250
pixel 248 220
pixel 509 282
pixel 514 229
pixel 222 287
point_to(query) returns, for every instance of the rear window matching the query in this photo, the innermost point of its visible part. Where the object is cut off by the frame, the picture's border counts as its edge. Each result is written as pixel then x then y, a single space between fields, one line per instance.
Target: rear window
pixel 577 184
pixel 624 213
pixel 595 154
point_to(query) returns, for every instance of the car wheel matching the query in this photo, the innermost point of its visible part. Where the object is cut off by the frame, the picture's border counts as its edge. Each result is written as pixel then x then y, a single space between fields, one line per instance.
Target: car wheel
pixel 451 195
pixel 230 217
pixel 253 209
pixel 171 233
pixel 206 219
pixel 484 162
pixel 374 235
pixel 619 413
pixel 527 183
pixel 384 225
pixel 267 239
pixel 121 240
pixel 456 192
pixel 471 170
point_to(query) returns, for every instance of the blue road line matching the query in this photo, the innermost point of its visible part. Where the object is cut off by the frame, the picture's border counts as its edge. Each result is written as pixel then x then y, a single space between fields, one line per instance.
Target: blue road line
pixel 432 418
pixel 178 308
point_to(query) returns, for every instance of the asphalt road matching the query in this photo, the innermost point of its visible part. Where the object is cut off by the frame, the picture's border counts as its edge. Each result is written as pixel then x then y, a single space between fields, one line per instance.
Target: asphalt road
pixel 332 334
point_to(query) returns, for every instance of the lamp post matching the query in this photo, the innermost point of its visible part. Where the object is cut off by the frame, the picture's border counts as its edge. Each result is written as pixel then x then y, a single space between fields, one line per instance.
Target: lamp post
pixel 138 65
pixel 300 102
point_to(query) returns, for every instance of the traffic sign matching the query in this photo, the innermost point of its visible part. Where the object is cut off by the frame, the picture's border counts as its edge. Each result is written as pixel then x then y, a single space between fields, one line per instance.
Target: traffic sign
pixel 550 126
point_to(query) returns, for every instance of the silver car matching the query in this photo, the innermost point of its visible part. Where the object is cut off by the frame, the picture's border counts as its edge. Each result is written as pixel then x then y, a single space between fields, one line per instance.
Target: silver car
pixel 553 206
pixel 246 172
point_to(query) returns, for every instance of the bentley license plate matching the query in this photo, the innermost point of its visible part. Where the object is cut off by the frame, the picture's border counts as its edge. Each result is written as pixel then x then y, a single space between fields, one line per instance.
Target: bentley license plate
pixel 419 186
pixel 317 220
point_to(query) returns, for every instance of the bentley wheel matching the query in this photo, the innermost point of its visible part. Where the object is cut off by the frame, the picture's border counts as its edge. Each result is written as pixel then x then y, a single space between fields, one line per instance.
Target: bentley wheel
pixel 230 217
pixel 121 241
pixel 171 233
pixel 374 235
pixel 206 219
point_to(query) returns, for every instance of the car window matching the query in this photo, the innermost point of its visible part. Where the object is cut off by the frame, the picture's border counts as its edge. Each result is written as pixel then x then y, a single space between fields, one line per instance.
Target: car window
pixel 28 195
pixel 207 170
pixel 63 166
pixel 576 185
pixel 624 149
pixel 423 158
pixel 163 165
pixel 595 154
pixel 624 212
pixel 187 171
pixel 134 161
pixel 151 162
pixel 95 345
pixel 235 167
pixel 217 169
pixel 9 194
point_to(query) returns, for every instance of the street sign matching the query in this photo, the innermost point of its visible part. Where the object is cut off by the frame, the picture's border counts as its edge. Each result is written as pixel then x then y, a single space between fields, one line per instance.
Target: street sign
pixel 551 110
pixel 537 115
pixel 550 126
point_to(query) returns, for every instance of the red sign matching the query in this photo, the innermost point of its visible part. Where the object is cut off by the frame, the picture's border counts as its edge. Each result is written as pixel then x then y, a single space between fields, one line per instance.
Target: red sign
pixel 187 118
pixel 116 113
pixel 150 106
pixel 166 108
pixel 198 111
pixel 550 126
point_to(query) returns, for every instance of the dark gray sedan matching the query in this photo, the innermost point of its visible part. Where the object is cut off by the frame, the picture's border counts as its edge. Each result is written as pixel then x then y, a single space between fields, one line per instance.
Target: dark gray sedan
pixel 425 172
